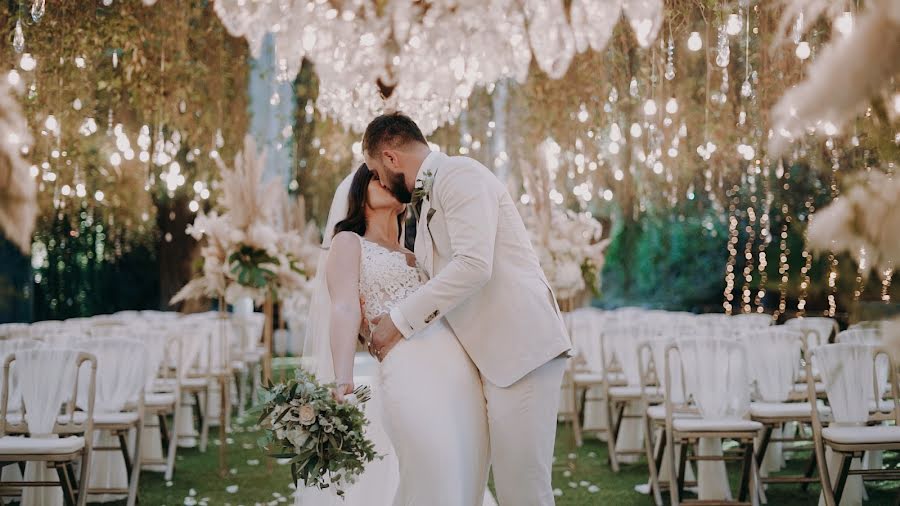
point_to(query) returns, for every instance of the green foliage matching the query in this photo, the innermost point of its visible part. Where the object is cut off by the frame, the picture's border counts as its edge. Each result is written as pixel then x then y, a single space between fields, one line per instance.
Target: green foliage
pixel 250 265
pixel 671 263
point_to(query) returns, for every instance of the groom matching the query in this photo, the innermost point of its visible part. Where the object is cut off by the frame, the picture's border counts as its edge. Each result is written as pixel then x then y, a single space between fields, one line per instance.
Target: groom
pixel 485 280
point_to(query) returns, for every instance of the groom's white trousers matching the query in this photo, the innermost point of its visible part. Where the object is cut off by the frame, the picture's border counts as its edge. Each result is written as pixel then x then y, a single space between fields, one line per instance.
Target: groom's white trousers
pixel 522 424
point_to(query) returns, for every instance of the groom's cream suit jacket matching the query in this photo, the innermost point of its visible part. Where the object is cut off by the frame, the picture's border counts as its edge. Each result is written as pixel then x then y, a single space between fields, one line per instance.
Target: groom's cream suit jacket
pixel 485 278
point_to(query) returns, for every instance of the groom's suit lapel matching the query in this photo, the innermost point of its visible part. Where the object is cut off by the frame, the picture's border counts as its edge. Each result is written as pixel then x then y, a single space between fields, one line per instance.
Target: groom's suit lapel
pixel 427 246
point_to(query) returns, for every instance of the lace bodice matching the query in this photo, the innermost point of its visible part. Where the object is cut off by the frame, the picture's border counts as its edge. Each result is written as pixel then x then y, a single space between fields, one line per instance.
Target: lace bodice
pixel 385 278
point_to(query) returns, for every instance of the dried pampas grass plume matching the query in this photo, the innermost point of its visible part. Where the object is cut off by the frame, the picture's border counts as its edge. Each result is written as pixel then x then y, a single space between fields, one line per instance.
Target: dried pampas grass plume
pixel 844 78
pixel 243 193
pixel 18 189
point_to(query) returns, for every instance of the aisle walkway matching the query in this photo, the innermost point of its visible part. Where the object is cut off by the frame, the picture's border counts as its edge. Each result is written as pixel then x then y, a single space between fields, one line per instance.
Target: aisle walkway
pixel 582 479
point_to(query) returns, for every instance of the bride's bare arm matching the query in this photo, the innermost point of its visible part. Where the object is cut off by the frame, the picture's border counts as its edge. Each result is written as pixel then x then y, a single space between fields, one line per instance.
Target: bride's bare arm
pixel 342 272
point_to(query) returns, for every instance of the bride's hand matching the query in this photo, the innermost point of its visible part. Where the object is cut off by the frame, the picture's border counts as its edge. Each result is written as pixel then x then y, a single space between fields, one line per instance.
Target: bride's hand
pixel 341 390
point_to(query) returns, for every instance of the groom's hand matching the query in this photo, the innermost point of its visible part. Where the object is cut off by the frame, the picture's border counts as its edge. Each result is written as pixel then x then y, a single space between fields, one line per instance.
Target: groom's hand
pixel 384 337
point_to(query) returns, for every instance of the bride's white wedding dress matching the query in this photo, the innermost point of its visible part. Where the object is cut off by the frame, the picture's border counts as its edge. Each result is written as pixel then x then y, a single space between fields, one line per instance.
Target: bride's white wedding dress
pixel 427 398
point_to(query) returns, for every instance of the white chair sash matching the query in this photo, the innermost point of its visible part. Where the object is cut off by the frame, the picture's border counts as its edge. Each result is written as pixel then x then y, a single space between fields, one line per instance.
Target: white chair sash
pixel 847 371
pixel 120 373
pixel 715 372
pixel 774 362
pixel 8 346
pixel 47 378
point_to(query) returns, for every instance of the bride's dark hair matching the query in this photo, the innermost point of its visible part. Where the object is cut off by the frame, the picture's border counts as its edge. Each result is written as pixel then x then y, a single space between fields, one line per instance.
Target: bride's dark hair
pixel 358 201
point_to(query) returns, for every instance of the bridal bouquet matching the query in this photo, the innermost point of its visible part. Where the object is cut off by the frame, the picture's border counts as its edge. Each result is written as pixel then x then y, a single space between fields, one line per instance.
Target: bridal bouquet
pixel 324 439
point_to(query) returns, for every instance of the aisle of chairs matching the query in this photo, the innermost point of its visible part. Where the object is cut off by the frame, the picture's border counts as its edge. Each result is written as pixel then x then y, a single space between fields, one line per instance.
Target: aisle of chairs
pixel 90 403
pixel 689 393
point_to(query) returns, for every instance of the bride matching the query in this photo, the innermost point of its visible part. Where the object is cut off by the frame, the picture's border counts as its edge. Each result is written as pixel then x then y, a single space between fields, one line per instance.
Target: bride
pixel 427 392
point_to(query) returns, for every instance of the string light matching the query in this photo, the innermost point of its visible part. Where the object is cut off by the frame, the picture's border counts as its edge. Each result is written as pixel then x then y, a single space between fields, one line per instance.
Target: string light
pixel 748 259
pixel 732 251
pixel 832 258
pixel 807 266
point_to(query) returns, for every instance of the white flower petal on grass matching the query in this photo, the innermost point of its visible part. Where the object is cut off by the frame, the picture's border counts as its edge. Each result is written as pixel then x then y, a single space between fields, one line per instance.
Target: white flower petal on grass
pixel 283 462
pixel 572 456
pixel 567 474
pixel 190 501
pixel 253 462
pixel 231 489
pixel 192 493
pixel 583 483
pixel 572 484
pixel 557 492
pixel 232 471
pixel 593 489
pixel 168 483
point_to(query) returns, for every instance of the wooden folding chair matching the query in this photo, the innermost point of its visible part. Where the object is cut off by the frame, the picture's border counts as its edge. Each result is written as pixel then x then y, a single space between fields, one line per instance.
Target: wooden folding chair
pixel 61 453
pixel 688 431
pixel 852 441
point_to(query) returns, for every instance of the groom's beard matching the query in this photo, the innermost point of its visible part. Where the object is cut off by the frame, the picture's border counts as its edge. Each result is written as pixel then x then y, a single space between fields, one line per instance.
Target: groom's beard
pixel 397 186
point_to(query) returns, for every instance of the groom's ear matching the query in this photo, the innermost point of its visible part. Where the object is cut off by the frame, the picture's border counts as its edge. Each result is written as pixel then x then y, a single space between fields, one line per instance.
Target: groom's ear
pixel 391 158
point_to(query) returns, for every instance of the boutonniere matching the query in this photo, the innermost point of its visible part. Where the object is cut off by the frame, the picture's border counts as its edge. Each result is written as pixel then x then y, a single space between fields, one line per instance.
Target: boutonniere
pixel 423 186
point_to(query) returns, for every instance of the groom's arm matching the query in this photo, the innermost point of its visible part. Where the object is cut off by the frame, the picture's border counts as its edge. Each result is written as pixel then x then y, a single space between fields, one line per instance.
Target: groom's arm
pixel 471 211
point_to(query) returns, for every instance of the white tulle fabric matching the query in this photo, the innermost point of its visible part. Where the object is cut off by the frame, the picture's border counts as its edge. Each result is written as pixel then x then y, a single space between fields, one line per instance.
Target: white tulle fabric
pixel 47 378
pixel 120 378
pixel 715 373
pixel 847 371
pixel 774 362
pixel 585 326
pixel 317 344
pixel 8 346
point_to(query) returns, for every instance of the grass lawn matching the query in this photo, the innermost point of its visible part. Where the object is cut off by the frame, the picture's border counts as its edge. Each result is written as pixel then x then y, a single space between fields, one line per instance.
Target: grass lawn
pixel 259 480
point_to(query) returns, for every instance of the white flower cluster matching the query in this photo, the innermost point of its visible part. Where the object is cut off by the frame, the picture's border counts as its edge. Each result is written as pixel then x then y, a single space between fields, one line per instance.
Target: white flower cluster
pixel 569 247
pixel 247 227
pixel 864 222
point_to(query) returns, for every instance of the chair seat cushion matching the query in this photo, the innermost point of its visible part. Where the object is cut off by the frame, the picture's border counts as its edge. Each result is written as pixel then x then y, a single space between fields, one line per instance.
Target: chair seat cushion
pixel 169 383
pixel 115 418
pixel 18 445
pixel 862 435
pixel 715 425
pixel 785 410
pixel 159 399
pixel 62 420
pixel 588 378
pixel 884 406
pixel 802 387
pixel 658 412
pixel 634 391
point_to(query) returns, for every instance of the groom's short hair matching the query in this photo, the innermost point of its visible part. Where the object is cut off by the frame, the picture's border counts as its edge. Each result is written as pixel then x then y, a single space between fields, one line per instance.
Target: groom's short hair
pixel 393 129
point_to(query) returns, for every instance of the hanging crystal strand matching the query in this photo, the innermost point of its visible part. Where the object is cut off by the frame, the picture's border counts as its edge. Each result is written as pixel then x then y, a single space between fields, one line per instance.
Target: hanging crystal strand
pixel 19 37
pixel 746 87
pixel 807 265
pixel 670 59
pixel 37 10
pixel 723 49
pixel 832 258
pixel 886 285
pixel 860 275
